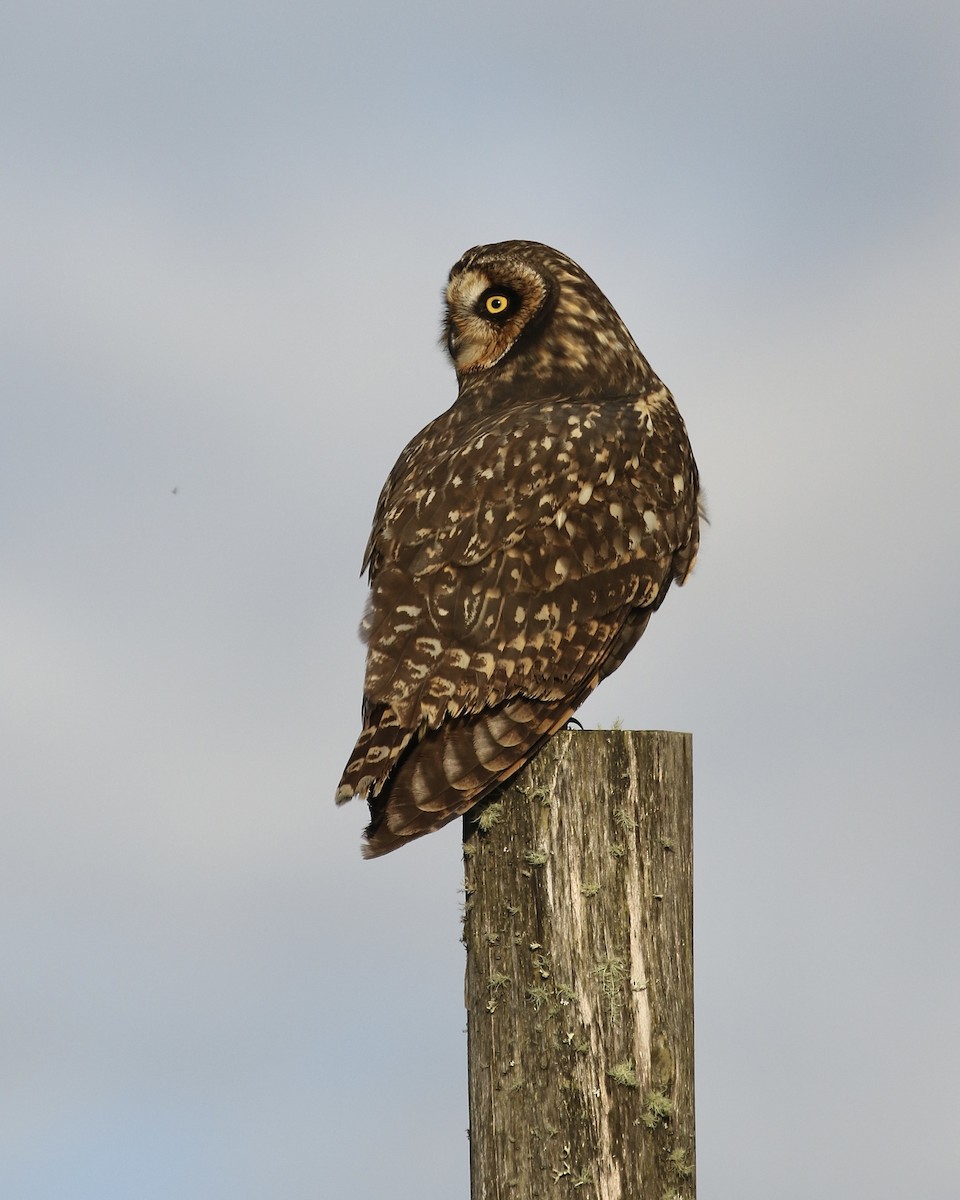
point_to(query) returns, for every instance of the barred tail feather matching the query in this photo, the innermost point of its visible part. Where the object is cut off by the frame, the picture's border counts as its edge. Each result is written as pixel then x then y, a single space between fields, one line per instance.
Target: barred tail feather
pixel 375 755
pixel 452 768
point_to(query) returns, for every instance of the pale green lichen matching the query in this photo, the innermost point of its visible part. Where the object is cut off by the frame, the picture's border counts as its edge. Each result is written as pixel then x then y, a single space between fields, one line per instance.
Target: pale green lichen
pixel 679 1162
pixel 541 963
pixel 490 816
pixel 624 1074
pixel 623 821
pixel 657 1109
pixel 612 974
pixel 539 995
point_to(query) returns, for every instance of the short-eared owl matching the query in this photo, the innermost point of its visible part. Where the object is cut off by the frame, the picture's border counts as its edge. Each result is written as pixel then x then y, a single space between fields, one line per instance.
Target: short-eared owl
pixel 520 544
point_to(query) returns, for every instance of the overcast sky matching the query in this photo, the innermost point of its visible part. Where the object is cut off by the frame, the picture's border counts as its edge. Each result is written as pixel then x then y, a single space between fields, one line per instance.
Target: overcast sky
pixel 224 230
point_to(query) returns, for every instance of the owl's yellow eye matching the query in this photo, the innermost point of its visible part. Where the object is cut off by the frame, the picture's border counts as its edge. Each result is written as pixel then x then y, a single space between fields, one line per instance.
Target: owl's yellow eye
pixel 497 303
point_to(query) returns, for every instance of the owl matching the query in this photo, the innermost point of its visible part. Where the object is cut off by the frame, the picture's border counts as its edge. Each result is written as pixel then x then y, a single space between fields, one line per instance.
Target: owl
pixel 520 544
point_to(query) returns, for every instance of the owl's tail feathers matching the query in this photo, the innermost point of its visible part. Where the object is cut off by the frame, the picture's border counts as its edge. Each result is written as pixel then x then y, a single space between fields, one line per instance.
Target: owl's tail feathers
pixel 375 755
pixel 450 769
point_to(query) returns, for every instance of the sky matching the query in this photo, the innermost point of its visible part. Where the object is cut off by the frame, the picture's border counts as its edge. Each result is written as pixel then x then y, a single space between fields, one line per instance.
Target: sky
pixel 224 231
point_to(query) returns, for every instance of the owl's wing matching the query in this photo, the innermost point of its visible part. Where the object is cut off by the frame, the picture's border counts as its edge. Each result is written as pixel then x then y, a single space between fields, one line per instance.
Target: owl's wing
pixel 512 569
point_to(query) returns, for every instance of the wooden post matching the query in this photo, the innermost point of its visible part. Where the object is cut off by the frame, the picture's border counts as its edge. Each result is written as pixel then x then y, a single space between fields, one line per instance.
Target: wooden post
pixel 579 983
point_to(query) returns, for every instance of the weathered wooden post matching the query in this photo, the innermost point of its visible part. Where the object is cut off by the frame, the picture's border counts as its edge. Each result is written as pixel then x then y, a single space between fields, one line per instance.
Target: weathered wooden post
pixel 579 981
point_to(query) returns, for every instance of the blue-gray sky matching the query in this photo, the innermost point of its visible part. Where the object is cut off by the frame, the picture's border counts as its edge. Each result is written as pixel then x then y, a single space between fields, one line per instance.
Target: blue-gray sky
pixel 224 233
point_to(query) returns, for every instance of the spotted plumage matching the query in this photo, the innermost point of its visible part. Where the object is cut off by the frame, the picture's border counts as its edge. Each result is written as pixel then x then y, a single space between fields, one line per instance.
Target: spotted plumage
pixel 520 544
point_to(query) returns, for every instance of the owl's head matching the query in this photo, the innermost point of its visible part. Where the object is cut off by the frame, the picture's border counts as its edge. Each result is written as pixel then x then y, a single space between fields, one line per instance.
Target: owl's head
pixel 530 313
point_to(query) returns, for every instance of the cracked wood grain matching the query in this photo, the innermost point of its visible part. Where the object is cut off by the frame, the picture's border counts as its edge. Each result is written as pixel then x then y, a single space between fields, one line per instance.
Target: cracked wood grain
pixel 579 981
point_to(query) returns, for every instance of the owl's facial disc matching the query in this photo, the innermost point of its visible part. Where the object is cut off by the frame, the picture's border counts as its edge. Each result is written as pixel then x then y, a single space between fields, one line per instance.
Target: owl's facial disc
pixel 487 311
